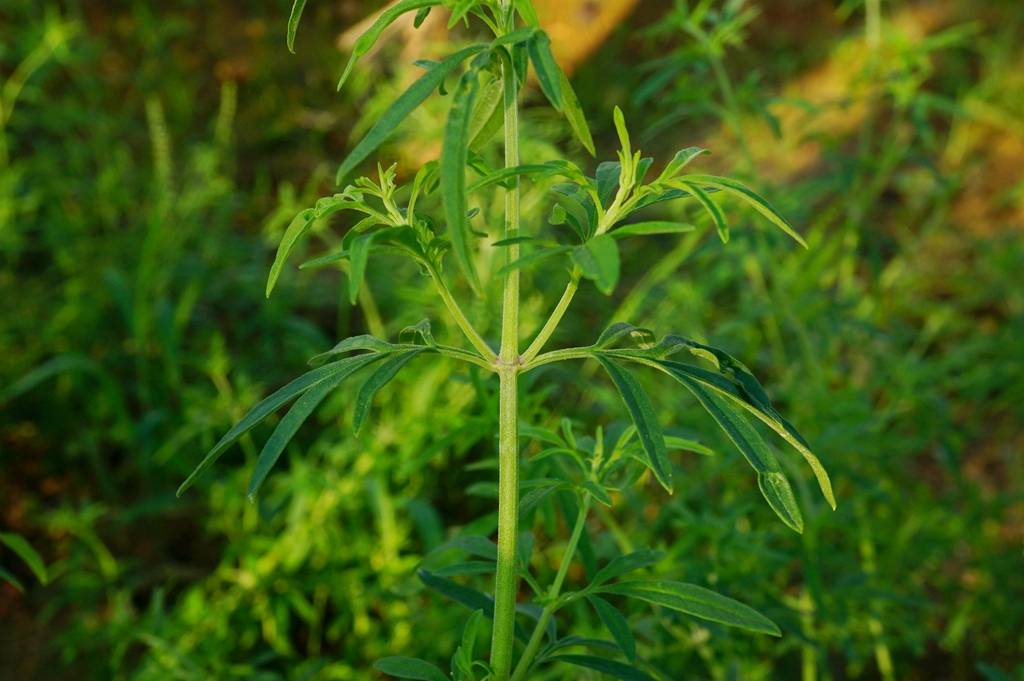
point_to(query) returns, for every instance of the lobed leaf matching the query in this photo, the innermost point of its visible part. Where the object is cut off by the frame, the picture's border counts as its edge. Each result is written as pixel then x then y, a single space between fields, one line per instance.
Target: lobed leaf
pixel 640 409
pixel 403 106
pixel 696 601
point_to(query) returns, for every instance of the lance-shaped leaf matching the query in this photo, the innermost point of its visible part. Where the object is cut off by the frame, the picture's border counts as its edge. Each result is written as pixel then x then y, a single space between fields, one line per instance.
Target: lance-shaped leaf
pixel 27 554
pixel 680 161
pixel 293 23
pixel 574 114
pixel 409 668
pixel 358 256
pixel 454 154
pixel 616 624
pixel 620 331
pixel 717 216
pixel 378 379
pixel 640 409
pixel 652 227
pixel 402 107
pixel 612 668
pixel 622 565
pixel 354 344
pixel 299 226
pixel 460 10
pixel 268 406
pixel 598 260
pixel 367 40
pixel 297 415
pixel 758 202
pixel 697 601
pixel 488 115
pixel 548 72
pixel 740 386
pixel 733 421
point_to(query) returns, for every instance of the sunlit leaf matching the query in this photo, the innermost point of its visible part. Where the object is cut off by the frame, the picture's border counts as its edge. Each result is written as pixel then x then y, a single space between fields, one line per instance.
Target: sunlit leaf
pixel 367 40
pixel 696 601
pixel 759 203
pixel 598 260
pixel 652 227
pixel 402 107
pixel 717 216
pixel 293 23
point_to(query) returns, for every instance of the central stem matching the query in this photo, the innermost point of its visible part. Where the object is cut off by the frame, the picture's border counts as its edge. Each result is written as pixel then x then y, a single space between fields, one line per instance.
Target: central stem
pixel 505 581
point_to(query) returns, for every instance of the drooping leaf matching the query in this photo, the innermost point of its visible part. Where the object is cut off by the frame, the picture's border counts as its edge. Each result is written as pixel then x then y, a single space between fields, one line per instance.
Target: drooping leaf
pixel 488 114
pixel 598 260
pixel 605 666
pixel 620 331
pixel 733 421
pixel 673 442
pixel 377 380
pixel 367 40
pixel 409 668
pixel 616 625
pixel 717 216
pixel 652 227
pixel 640 409
pixel 402 107
pixel 6 576
pixel 471 598
pixel 758 202
pixel 293 23
pixel 548 71
pixel 297 415
pixel 696 601
pixel 354 344
pixel 269 405
pixel 27 554
pixel 299 226
pixel 358 256
pixel 574 114
pixel 627 563
pixel 454 154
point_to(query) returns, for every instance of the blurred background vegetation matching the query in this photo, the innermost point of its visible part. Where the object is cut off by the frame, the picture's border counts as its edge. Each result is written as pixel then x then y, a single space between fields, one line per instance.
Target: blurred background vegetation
pixel 151 155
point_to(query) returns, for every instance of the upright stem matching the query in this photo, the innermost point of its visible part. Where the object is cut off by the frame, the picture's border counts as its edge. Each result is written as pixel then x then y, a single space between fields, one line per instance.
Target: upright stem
pixel 556 589
pixel 505 581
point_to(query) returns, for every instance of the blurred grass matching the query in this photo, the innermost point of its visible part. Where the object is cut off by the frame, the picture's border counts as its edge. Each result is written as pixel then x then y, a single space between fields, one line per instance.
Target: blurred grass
pixel 151 159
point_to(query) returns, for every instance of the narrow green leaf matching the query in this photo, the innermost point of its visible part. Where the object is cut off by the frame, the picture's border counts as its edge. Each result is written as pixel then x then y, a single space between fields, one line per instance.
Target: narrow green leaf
pixel 297 415
pixel 367 40
pixel 607 178
pixel 621 565
pixel 460 10
pixel 597 491
pixel 652 227
pixel 605 666
pixel 532 258
pixel 377 380
pixel 620 127
pixel 696 601
pixel 712 208
pixel 733 421
pixel 299 226
pixel 488 115
pixel 548 71
pixel 672 442
pixel 354 344
pixel 409 668
pixel 616 624
pixel 599 261
pixel 680 161
pixel 527 13
pixel 421 16
pixel 502 175
pixel 471 598
pixel 293 23
pixel 268 406
pixel 639 406
pixel 759 203
pixel 574 114
pixel 11 579
pixel 358 256
pixel 454 155
pixel 620 331
pixel 27 554
pixel 402 107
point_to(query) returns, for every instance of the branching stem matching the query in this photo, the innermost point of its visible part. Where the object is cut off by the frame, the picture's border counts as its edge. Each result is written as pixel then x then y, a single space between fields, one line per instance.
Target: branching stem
pixel 556 317
pixel 475 339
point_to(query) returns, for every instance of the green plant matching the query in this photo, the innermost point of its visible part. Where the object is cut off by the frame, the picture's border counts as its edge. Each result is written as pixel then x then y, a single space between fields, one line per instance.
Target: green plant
pixel 589 216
